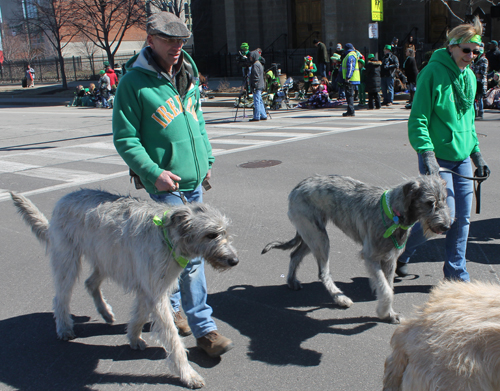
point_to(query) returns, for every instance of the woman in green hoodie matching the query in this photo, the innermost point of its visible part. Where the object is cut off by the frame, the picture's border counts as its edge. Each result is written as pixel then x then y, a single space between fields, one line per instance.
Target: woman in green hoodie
pixel 441 130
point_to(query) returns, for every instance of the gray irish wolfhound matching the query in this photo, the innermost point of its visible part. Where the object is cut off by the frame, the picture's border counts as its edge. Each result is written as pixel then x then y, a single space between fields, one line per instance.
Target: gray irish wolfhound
pixel 138 244
pixel 358 210
pixel 452 343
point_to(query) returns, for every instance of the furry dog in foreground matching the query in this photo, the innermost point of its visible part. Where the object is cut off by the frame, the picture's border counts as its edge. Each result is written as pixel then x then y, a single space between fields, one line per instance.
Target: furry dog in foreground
pixel 377 219
pixel 453 342
pixel 138 244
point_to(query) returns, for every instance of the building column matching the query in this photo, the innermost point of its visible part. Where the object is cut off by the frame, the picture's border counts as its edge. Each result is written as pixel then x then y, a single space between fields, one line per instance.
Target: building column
pixel 329 21
pixel 231 26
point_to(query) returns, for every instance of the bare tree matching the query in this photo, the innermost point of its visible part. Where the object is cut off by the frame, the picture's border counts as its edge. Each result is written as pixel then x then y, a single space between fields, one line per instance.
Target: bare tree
pixel 105 22
pixel 16 47
pixel 88 49
pixel 174 6
pixel 469 4
pixel 53 18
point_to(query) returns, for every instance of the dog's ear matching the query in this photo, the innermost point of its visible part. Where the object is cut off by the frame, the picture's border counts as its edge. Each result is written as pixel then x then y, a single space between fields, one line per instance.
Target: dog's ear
pixel 181 220
pixel 410 191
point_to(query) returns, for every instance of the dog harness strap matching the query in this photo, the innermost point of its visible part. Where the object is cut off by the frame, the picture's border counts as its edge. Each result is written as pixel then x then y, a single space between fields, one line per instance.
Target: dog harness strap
pixel 180 260
pixel 385 207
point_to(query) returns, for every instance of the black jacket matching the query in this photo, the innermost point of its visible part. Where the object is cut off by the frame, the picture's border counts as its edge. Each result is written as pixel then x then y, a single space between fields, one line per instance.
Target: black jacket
pixel 493 57
pixel 372 75
pixel 322 54
pixel 410 69
pixel 389 65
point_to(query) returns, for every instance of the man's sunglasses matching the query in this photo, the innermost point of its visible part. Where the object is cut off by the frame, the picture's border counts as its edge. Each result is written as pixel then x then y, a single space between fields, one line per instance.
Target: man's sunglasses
pixel 475 52
pixel 178 41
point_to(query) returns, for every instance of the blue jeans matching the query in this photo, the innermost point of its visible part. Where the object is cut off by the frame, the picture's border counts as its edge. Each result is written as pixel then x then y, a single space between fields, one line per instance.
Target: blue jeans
pixel 460 195
pixel 387 84
pixel 259 111
pixel 192 283
pixel 321 70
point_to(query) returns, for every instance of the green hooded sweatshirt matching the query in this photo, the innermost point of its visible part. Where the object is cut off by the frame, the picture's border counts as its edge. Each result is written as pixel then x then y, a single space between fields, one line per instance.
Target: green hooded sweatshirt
pixel 442 113
pixel 156 129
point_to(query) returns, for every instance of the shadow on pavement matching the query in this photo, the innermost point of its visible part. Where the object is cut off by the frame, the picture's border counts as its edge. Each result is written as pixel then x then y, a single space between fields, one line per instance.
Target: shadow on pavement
pixel 271 317
pixel 33 358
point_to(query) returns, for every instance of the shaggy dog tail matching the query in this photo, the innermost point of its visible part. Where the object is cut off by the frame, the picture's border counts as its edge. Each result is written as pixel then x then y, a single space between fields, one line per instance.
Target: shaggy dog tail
pixel 32 216
pixel 295 242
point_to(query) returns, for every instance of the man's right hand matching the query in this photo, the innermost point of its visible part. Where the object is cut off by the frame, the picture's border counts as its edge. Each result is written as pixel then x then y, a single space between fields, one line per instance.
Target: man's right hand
pixel 167 181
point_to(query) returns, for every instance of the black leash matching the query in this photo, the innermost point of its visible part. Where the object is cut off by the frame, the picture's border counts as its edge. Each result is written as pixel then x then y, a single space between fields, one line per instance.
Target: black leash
pixel 477 186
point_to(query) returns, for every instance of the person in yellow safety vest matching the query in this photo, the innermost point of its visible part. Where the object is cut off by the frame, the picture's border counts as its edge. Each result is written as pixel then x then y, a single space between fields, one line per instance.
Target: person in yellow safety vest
pixel 351 76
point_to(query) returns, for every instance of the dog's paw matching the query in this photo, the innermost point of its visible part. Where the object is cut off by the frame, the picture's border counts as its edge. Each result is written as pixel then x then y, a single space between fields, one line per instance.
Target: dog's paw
pixel 138 344
pixel 294 285
pixel 342 300
pixel 108 317
pixel 66 335
pixel 194 380
pixel 393 318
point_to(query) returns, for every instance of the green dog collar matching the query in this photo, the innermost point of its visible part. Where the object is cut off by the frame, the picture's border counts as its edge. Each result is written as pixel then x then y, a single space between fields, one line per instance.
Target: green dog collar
pixel 180 260
pixel 385 208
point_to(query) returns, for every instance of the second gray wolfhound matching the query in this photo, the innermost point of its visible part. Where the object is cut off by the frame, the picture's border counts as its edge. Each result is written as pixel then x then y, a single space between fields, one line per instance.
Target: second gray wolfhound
pixel 374 217
pixel 138 244
pixel 452 343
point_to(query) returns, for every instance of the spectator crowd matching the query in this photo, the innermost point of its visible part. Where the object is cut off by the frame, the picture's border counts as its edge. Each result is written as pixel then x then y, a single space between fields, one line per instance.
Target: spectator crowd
pixel 346 75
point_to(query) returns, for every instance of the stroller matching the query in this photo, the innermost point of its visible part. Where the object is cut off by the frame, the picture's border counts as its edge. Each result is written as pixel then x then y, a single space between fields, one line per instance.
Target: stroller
pixel 281 97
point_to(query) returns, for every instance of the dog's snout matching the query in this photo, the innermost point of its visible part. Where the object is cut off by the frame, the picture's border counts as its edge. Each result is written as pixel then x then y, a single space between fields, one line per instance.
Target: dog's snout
pixel 444 227
pixel 233 261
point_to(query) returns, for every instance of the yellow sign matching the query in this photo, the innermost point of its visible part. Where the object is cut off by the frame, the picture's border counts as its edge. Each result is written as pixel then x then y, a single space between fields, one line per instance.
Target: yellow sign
pixel 377 10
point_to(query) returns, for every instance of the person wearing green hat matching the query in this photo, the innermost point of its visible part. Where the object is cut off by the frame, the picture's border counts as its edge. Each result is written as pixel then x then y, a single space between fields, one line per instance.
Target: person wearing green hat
pixel 441 130
pixel 390 64
pixel 362 85
pixel 103 88
pixel 335 61
pixel 243 60
pixel 372 81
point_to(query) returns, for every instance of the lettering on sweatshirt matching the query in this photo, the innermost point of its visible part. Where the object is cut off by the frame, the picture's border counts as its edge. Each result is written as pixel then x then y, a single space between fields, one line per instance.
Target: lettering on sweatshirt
pixel 165 114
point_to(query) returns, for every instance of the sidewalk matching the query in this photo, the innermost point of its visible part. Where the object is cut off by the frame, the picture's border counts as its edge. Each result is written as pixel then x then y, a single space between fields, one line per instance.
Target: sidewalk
pixel 52 94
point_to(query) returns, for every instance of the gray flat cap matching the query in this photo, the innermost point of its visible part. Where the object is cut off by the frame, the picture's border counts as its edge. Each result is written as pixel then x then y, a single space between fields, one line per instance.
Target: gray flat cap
pixel 166 23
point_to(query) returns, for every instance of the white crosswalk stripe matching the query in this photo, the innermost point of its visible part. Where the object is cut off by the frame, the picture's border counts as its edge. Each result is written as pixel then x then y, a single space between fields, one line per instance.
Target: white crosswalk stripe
pixel 57 164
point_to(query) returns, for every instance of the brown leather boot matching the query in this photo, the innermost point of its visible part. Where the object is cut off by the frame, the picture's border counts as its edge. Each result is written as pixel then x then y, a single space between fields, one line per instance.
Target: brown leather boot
pixel 214 344
pixel 182 324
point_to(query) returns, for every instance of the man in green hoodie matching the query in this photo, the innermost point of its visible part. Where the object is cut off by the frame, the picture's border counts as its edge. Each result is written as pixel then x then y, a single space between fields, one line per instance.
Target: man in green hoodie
pixel 441 130
pixel 159 130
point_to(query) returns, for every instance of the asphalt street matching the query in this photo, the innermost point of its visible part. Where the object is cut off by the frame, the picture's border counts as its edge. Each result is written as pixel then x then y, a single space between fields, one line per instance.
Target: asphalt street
pixel 284 340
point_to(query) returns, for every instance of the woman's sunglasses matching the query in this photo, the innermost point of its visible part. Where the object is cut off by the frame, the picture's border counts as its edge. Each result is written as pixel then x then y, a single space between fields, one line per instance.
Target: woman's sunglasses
pixel 475 52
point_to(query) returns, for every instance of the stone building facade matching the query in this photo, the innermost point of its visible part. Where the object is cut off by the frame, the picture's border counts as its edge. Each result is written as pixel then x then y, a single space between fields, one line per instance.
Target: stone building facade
pixel 220 26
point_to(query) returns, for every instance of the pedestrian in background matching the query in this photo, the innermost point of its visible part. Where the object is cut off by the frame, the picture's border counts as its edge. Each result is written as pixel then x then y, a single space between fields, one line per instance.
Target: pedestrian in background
pixel 257 85
pixel 390 64
pixel 362 81
pixel 441 130
pixel 493 56
pixel 159 131
pixel 29 74
pixel 351 76
pixel 321 58
pixel 372 81
pixel 481 71
pixel 308 70
pixel 411 71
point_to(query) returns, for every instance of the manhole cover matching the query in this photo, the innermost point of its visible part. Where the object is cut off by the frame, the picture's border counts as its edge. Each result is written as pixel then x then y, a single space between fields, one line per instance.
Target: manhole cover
pixel 260 164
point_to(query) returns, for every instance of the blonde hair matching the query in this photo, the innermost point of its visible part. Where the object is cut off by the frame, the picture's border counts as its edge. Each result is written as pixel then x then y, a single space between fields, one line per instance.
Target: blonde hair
pixel 464 32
